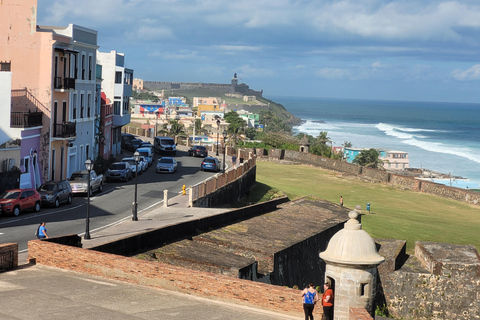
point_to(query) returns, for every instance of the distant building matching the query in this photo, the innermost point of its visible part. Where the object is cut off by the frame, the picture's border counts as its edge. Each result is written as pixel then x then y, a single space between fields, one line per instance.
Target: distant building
pixel 252 119
pixel 392 160
pixel 249 98
pixel 137 84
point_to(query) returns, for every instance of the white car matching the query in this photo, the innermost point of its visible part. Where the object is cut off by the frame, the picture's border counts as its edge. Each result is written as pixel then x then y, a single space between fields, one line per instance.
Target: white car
pixel 144 163
pixel 134 169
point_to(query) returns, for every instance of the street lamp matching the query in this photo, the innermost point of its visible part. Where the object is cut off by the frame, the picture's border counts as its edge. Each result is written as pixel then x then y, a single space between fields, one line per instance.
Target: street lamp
pixel 156 122
pixel 218 128
pixel 89 167
pixel 136 157
pixel 224 148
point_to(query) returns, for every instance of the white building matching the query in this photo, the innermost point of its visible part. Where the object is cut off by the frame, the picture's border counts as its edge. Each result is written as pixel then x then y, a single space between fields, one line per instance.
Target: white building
pixel 117 85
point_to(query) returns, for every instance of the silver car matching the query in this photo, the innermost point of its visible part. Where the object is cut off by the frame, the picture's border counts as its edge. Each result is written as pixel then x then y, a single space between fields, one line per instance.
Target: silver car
pixel 167 164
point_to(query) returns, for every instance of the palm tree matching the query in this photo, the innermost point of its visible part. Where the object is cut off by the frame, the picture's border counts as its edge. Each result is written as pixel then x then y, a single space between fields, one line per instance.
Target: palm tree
pixel 368 158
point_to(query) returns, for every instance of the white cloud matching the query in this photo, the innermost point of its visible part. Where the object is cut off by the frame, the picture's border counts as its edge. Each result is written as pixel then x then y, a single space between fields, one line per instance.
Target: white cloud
pixel 250 72
pixel 472 73
pixel 179 55
pixel 231 48
pixel 149 33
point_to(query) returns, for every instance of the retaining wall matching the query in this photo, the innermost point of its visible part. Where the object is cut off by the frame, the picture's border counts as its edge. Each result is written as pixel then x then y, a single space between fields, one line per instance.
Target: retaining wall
pixel 168 277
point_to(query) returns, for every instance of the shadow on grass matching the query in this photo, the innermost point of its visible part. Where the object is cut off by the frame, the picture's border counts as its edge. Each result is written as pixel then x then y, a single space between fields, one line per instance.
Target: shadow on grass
pixel 259 193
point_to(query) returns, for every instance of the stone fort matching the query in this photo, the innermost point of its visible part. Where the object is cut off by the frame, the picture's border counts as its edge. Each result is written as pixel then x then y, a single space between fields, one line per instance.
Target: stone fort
pixel 233 87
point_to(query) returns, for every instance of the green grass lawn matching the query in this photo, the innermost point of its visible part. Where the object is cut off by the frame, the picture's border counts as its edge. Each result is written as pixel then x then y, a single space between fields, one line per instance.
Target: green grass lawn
pixel 395 213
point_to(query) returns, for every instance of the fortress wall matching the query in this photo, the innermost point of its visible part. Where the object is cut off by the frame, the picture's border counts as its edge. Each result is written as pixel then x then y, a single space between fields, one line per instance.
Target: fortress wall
pixel 405 182
pixel 375 175
pixel 450 192
pixel 168 277
pixel 286 262
pixel 427 296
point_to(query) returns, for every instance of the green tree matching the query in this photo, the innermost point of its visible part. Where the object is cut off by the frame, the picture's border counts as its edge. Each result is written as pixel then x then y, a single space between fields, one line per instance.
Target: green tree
pixel 176 128
pixel 369 158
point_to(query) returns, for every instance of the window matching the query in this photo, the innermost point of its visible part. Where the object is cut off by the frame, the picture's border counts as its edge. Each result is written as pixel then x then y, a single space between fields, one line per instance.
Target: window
pixel 83 67
pixel 90 68
pixel 74 107
pixel 118 77
pixel 82 105
pixel 116 107
pixel 364 290
pixel 88 105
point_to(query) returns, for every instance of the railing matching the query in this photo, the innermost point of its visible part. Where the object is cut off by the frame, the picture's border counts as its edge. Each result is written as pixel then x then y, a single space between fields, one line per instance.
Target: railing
pixel 25 119
pixel 64 83
pixel 18 93
pixel 65 130
pixel 216 182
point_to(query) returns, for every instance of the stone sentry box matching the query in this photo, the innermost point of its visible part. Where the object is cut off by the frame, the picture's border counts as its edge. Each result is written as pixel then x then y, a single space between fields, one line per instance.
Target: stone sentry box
pixel 351 268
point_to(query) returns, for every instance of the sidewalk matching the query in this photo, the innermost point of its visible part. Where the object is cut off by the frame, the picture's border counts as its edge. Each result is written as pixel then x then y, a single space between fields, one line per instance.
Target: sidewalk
pixel 41 292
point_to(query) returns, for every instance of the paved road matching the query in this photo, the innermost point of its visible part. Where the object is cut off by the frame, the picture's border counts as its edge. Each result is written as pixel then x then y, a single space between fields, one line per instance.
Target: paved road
pixel 107 208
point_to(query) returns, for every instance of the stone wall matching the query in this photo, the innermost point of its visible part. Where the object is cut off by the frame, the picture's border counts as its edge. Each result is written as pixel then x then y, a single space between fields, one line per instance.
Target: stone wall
pixel 378 175
pixel 442 281
pixel 358 314
pixel 159 275
pixel 8 256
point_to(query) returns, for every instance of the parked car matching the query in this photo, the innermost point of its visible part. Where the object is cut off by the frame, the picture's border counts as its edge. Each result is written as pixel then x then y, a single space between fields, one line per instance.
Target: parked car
pixel 144 163
pixel 147 144
pixel 165 145
pixel 119 171
pixel 79 182
pixel 147 154
pixel 166 164
pixel 198 151
pixel 132 145
pixel 210 164
pixel 18 200
pixel 126 138
pixel 135 168
pixel 55 192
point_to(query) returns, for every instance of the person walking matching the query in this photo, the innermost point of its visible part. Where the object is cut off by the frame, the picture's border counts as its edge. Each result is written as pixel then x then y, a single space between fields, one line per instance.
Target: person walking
pixel 42 231
pixel 341 201
pixel 327 302
pixel 234 161
pixel 310 297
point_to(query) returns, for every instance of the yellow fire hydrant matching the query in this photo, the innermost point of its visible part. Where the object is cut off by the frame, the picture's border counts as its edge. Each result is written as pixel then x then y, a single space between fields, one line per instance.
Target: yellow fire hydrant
pixel 183 190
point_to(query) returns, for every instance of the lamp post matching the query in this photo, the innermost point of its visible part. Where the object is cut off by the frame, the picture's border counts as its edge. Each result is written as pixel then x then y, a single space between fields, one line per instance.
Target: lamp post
pixel 218 129
pixel 89 167
pixel 136 157
pixel 156 122
pixel 224 148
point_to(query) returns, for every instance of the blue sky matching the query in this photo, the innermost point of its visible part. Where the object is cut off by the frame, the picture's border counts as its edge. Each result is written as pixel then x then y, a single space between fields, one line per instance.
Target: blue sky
pixel 418 50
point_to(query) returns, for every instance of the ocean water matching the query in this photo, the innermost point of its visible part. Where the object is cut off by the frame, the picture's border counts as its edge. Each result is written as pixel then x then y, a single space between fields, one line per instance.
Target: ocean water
pixel 443 137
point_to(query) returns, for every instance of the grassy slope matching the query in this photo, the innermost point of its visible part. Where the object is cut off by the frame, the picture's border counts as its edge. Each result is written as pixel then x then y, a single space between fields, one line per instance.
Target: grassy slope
pixel 395 214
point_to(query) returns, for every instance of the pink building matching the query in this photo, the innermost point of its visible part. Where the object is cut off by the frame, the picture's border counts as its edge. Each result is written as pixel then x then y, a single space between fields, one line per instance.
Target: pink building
pixel 106 122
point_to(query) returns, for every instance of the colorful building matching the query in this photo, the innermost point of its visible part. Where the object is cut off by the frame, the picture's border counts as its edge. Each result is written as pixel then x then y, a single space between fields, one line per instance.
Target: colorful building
pixel 392 160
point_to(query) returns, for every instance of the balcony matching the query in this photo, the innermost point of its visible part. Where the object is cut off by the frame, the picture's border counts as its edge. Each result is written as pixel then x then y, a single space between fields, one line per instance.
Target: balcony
pixel 66 130
pixel 121 120
pixel 64 83
pixel 26 119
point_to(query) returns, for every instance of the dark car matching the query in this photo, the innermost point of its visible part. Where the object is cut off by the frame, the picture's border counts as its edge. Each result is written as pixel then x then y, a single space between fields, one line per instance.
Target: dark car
pixel 126 138
pixel 17 200
pixel 53 193
pixel 133 145
pixel 198 151
pixel 119 171
pixel 210 164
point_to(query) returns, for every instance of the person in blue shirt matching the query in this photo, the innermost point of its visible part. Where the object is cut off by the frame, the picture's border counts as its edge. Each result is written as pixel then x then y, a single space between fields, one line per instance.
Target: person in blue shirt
pixel 310 297
pixel 42 231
